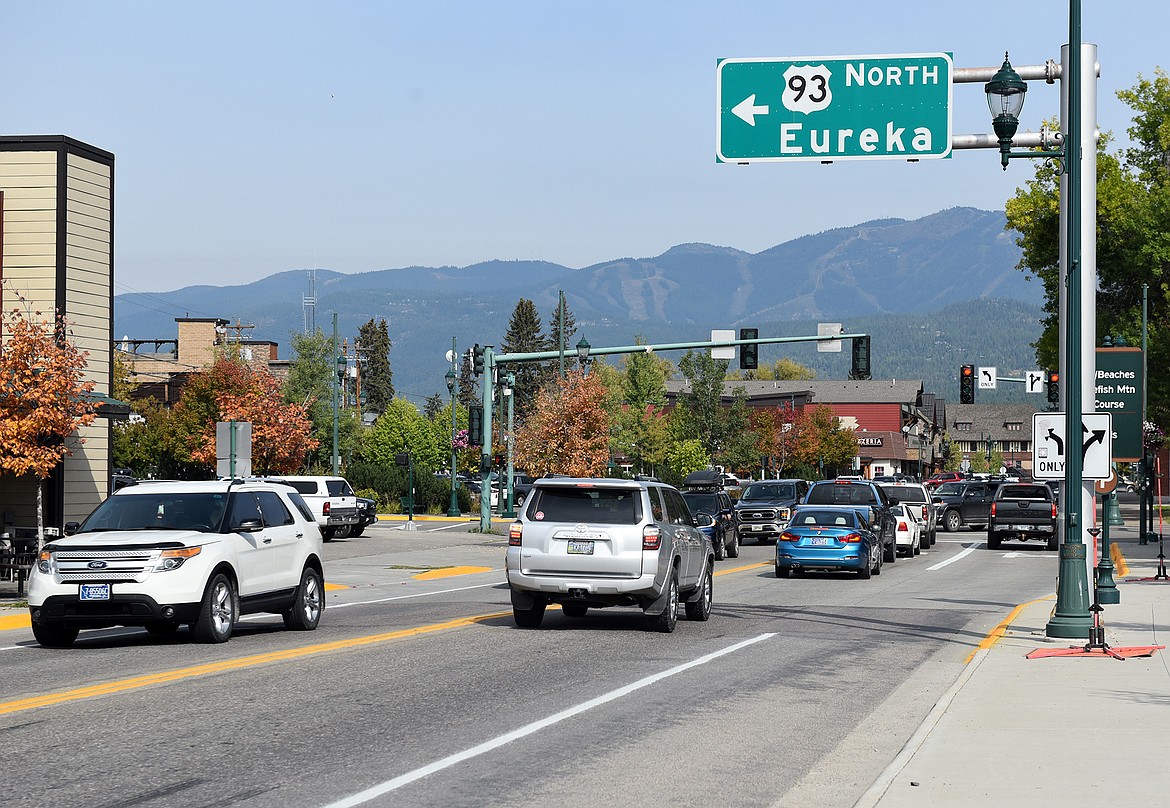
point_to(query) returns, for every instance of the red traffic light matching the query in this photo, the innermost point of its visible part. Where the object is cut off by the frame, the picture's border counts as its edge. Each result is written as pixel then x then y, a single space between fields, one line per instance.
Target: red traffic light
pixel 968 370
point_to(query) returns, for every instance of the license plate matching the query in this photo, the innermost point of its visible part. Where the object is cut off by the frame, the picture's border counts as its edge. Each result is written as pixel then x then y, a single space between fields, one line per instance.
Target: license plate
pixel 757 527
pixel 580 548
pixel 95 591
pixel 820 541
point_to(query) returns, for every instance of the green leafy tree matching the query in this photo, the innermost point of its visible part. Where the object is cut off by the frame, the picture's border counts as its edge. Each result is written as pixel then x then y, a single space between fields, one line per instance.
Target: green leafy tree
pixel 310 383
pixel 1133 236
pixel 825 444
pixel 784 369
pixel 402 428
pixel 702 401
pixel 683 457
pixel 377 378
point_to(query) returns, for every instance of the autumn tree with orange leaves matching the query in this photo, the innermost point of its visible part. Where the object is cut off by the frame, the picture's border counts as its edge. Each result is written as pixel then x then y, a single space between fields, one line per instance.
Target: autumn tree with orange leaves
pixel 568 429
pixel 229 390
pixel 42 397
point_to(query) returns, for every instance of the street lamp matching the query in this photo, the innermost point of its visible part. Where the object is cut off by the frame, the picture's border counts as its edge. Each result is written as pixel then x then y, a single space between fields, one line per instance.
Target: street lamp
pixel 1005 98
pixel 453 508
pixel 583 348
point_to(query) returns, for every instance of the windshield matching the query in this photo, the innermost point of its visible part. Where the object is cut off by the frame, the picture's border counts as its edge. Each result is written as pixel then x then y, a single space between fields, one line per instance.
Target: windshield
pixel 949 489
pixel 769 491
pixel 159 511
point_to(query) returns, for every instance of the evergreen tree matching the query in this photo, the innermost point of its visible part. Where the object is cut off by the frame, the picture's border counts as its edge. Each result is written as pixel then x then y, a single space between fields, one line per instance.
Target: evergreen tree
pixel 524 336
pixel 433 405
pixel 377 378
pixel 468 394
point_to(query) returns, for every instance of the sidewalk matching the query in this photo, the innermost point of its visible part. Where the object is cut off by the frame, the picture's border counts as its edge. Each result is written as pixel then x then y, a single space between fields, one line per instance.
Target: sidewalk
pixel 1067 731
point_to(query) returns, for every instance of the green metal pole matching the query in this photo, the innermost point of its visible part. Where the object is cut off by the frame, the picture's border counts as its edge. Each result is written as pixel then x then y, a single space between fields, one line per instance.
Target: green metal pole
pixel 485 454
pixel 1071 617
pixel 510 511
pixel 1107 591
pixel 561 332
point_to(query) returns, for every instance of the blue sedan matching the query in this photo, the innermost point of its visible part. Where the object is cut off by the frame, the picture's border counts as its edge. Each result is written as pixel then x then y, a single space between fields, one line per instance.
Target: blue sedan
pixel 828 538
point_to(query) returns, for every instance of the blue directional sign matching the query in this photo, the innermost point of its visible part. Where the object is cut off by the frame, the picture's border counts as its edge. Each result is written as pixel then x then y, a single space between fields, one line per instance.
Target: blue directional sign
pixel 834 108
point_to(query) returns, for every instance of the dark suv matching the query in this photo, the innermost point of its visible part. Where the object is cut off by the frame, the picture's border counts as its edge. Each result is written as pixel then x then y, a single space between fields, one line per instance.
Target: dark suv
pixel 965 503
pixel 764 508
pixel 703 492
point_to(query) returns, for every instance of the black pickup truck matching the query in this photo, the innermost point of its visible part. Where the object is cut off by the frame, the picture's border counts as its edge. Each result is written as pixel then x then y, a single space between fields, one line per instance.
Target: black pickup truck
pixel 965 503
pixel 1022 511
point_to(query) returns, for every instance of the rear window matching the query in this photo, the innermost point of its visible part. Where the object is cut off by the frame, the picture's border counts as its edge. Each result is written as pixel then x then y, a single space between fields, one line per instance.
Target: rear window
pixel 831 518
pixel 1024 492
pixel 303 486
pixel 905 493
pixel 338 488
pixel 841 494
pixel 599 506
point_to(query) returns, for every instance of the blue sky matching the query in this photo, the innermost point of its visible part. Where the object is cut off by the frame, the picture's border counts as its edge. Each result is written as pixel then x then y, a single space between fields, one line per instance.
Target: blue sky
pixel 257 137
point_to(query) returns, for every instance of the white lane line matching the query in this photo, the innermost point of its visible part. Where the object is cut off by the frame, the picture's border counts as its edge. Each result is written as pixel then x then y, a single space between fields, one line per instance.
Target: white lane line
pixel 954 558
pixel 535 726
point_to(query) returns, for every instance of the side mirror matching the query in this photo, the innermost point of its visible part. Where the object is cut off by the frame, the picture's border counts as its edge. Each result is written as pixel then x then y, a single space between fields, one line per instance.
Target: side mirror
pixel 249 526
pixel 72 527
pixel 704 519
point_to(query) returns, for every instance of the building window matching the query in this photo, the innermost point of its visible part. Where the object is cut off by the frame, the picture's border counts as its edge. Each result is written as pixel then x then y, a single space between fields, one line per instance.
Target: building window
pixel 962 426
pixel 1013 426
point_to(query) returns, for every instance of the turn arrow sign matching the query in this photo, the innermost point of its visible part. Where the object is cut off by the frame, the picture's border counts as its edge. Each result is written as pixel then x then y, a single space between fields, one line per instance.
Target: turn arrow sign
pixel 747 110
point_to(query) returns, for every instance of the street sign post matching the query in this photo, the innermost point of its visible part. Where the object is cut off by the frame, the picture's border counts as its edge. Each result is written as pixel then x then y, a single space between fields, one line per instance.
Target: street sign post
pixel 1051 446
pixel 893 107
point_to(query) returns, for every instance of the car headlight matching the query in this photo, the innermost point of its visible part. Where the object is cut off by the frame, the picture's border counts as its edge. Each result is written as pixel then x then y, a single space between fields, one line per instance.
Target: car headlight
pixel 45 561
pixel 173 559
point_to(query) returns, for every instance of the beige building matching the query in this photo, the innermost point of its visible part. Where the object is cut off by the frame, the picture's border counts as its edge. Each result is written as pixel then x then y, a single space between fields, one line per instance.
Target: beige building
pixel 57 251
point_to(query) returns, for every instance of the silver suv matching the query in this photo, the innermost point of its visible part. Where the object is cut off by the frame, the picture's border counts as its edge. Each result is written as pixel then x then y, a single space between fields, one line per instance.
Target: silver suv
pixel 591 543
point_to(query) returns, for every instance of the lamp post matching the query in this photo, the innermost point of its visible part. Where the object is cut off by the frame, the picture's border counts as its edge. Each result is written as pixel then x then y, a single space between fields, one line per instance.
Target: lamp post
pixel 509 507
pixel 583 348
pixel 1005 98
pixel 453 508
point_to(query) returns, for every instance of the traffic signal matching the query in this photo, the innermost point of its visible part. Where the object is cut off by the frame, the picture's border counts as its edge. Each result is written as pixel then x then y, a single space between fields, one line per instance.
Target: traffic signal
pixel 967 384
pixel 860 367
pixel 1053 387
pixel 477 359
pixel 475 425
pixel 749 355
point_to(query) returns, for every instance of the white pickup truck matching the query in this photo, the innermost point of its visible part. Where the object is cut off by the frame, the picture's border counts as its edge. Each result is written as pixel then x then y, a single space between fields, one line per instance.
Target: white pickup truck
pixel 332 501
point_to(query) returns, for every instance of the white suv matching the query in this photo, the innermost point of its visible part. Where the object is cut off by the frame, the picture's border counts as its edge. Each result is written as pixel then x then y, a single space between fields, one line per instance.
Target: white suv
pixel 159 555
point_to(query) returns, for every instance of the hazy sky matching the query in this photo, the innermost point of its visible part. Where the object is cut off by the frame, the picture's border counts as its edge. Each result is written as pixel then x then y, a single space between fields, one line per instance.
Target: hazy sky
pixel 257 137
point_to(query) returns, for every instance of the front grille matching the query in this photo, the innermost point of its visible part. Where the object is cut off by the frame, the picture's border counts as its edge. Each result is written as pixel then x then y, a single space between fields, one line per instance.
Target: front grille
pixel 120 565
pixel 757 515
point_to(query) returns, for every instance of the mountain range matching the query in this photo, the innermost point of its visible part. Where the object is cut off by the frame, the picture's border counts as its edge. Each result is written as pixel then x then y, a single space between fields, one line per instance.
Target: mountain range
pixel 933 292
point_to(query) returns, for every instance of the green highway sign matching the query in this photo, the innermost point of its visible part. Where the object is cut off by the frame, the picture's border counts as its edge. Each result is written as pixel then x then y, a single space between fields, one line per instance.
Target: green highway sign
pixel 1118 391
pixel 834 108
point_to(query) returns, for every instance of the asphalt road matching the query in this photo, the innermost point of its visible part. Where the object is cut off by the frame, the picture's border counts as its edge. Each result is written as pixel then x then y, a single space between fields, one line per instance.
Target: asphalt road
pixel 421 692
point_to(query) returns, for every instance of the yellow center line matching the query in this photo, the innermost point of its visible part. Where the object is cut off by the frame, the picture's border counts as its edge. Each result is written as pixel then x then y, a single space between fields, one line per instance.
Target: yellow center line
pixel 163 677
pixel 744 568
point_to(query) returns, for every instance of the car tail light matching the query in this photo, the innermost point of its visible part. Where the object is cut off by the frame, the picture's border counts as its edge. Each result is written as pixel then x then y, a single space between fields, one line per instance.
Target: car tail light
pixel 514 534
pixel 992 509
pixel 854 538
pixel 925 514
pixel 786 536
pixel 903 526
pixel 651 537
pixel 1053 510
pixel 325 508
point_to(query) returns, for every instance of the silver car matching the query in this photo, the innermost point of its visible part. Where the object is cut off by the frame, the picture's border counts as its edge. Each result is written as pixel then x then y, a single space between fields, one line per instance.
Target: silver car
pixel 591 543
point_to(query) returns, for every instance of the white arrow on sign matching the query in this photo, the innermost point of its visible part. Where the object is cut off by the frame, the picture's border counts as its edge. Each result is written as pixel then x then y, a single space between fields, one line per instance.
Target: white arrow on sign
pixel 747 110
pixel 987 378
pixel 1035 382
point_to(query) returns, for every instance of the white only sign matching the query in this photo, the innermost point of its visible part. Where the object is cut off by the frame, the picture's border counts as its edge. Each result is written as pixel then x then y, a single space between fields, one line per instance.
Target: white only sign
pixel 987 378
pixel 1050 445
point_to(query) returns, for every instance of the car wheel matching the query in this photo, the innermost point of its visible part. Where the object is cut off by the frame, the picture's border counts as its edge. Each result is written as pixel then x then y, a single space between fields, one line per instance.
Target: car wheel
pixel 890 552
pixel 666 621
pixel 865 572
pixel 876 558
pixel 51 635
pixel 161 628
pixel 916 549
pixel 733 550
pixel 217 612
pixel 574 610
pixel 1052 543
pixel 356 531
pixel 308 603
pixel 530 618
pixel 327 534
pixel 720 550
pixel 952 521
pixel 993 541
pixel 701 609
pixel 781 572
pixel 342 531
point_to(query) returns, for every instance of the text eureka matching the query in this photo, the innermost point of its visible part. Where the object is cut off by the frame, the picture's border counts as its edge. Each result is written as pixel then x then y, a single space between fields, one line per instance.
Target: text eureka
pixel 795 141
